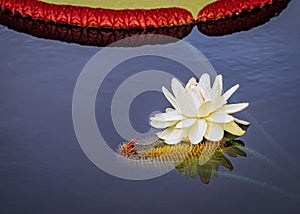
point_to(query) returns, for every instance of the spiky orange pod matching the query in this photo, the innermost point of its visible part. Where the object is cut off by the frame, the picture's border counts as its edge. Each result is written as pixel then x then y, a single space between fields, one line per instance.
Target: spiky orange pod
pixel 201 159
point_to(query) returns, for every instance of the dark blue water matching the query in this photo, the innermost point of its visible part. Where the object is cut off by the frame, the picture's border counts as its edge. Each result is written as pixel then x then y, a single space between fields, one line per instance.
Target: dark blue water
pixel 43 169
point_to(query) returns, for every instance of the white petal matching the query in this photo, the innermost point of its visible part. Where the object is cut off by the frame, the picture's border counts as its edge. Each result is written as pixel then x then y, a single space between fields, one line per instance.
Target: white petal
pixel 170 97
pixel 205 109
pixel 197 131
pixel 168 110
pixel 233 108
pixel 185 123
pixel 162 124
pixel 217 86
pixel 196 96
pixel 214 131
pixel 234 129
pixel 165 133
pixel 230 91
pixel 204 87
pixel 176 136
pixel 176 87
pixel 220 117
pixel 190 83
pixel 218 103
pixel 168 116
pixel 241 122
pixel 204 81
pixel 186 104
pixel 192 104
pixel 205 93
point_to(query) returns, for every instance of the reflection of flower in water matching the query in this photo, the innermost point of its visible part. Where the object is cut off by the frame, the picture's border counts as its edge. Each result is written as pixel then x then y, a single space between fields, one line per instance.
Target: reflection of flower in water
pixel 193 166
pixel 200 111
pixel 201 159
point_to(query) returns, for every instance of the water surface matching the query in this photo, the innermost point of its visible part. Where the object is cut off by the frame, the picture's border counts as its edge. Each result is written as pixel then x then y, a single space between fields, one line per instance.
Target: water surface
pixel 42 167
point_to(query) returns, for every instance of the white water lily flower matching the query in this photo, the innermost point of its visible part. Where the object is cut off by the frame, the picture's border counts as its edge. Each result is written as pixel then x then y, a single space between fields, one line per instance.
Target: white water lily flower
pixel 199 111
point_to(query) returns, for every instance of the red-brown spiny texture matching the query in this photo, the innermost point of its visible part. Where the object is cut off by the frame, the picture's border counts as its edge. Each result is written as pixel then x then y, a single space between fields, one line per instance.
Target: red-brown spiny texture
pixel 228 8
pixel 98 17
pixel 127 18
